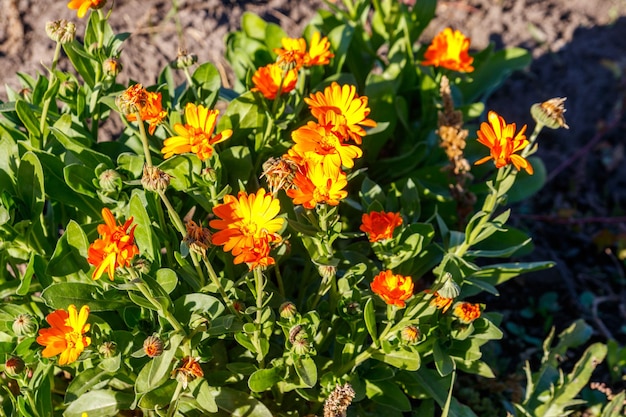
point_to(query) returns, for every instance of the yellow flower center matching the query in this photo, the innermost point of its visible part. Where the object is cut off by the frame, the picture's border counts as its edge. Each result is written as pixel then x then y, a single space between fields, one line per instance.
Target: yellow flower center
pixel 72 338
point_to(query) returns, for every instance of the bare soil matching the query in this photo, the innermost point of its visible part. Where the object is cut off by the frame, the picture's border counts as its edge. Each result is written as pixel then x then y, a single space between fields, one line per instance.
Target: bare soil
pixel 579 50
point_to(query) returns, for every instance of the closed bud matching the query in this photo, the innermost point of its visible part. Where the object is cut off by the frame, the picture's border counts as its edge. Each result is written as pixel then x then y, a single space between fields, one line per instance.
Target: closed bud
pixel 209 175
pixel 61 30
pixel 301 346
pixel 154 179
pixel 410 334
pixel 287 310
pixel 14 365
pixel 449 289
pixel 24 325
pixel 109 181
pixel 68 89
pixel 107 349
pixel 327 271
pixel 111 67
pixel 153 346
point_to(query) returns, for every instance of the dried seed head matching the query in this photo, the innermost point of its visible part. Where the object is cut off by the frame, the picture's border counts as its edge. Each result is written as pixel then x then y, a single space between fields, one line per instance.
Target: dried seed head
pixel 132 99
pixel 154 179
pixel 550 113
pixel 108 349
pixel 327 271
pixel 61 31
pixel 449 289
pixel 24 325
pixel 337 403
pixel 153 346
pixel 184 59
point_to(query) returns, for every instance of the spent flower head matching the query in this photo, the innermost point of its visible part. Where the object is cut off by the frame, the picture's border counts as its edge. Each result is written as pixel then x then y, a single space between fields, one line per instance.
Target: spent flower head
pixel 61 31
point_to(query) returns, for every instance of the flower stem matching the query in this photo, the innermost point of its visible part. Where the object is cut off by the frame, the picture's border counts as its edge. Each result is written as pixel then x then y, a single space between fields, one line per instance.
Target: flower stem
pixel 216 281
pixel 171 410
pixel 144 139
pixel 259 284
pixel 51 79
pixel 192 84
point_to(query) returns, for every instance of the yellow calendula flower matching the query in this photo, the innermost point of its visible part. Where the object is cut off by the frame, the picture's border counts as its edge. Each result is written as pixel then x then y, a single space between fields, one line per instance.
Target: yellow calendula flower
pixel 450 49
pixel 502 140
pixel 65 336
pixel 247 226
pixel 342 108
pixel 314 184
pixel 294 53
pixel 196 135
pixel 319 51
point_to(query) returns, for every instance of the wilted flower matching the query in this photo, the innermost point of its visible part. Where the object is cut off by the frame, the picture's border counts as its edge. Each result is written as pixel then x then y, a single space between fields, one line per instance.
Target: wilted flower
pixel 550 113
pixel 393 289
pixel 343 109
pixel 502 140
pixel 247 226
pixel 196 135
pixel 442 303
pixel 24 325
pixel 62 31
pixel 380 225
pixel 198 238
pixel 467 312
pixel 279 173
pixel 153 346
pixel 449 49
pixel 111 67
pixel 115 247
pixel 188 371
pixel 14 365
pixel 65 336
pixel 135 99
pixel 272 80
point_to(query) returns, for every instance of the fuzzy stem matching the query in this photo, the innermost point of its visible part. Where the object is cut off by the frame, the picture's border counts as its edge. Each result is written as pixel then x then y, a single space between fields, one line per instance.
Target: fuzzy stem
pixel 51 79
pixel 216 281
pixel 259 283
pixel 144 139
pixel 171 410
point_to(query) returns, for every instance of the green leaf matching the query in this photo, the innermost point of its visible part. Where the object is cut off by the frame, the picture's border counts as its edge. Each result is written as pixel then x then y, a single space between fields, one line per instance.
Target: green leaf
pixel 70 254
pixel 239 404
pixel 182 169
pixel 86 381
pixel 401 358
pixel 167 279
pixel 36 267
pixel 99 403
pixel 443 361
pixel 264 379
pixel 62 294
pixel 77 143
pixel 80 179
pixel 369 314
pixel 81 61
pixel 156 372
pixel 497 274
pixel 207 79
pixel 616 407
pixel 237 162
pixel 436 387
pixel 410 201
pixel 143 231
pixel 387 393
pixel 527 185
pixel 203 394
pixel 30 184
pixel 306 370
pixel 27 116
pixel 202 304
pixel 253 26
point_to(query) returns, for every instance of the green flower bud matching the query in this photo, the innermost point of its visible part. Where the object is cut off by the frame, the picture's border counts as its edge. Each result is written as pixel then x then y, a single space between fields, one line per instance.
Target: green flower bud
pixel 110 181
pixel 24 325
pixel 111 67
pixel 14 366
pixel 287 310
pixel 410 334
pixel 153 346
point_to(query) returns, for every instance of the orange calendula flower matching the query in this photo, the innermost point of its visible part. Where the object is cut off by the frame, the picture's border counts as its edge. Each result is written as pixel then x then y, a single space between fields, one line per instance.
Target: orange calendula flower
pixel 342 108
pixel 248 227
pixel 450 49
pixel 380 225
pixel 150 110
pixel 467 312
pixel 65 336
pixel 325 143
pixel 393 289
pixel 272 80
pixel 501 139
pixel 115 247
pixel 319 51
pixel 83 5
pixel 314 184
pixel 196 135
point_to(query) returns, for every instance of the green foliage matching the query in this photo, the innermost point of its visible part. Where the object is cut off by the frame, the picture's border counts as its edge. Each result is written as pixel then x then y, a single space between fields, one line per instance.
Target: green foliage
pixel 184 328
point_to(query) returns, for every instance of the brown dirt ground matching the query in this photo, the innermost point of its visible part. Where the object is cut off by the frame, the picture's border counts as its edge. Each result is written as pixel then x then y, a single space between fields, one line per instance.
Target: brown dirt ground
pixel 579 47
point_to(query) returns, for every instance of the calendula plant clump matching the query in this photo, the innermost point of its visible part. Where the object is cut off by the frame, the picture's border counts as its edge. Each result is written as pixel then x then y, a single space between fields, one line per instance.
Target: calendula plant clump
pixel 316 246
